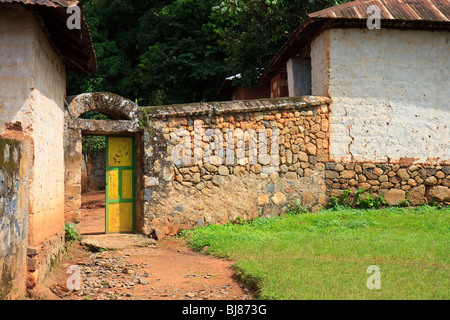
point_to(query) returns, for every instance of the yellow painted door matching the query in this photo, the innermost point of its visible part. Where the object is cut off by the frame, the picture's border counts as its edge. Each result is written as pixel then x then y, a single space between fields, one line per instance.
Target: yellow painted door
pixel 120 213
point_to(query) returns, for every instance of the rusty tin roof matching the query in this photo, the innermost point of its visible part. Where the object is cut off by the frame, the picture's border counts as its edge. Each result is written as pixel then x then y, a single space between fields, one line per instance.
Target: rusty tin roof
pixel 408 10
pixel 401 14
pixel 74 46
pixel 48 3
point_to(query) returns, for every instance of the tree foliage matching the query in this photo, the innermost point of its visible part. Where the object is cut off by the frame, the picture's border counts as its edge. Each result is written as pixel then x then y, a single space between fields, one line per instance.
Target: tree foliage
pixel 183 62
pixel 90 144
pixel 178 51
pixel 252 31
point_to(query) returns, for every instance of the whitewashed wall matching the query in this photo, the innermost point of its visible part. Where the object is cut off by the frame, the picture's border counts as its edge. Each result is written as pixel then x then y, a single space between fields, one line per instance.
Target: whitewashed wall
pixel 390 92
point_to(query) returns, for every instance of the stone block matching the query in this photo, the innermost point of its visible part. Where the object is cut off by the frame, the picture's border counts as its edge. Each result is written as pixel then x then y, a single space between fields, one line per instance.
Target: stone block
pixel 403 174
pixel 302 156
pixel 218 180
pixel 222 170
pixel 439 194
pixel 311 149
pixel 347 174
pixel 394 197
pixel 377 171
pixel 322 156
pixel 263 200
pixel 279 198
pixel 210 167
pixel 329 174
pixel 416 196
pixel 430 181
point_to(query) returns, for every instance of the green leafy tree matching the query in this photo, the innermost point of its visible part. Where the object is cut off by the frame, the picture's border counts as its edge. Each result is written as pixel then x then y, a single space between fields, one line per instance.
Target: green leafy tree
pixel 184 62
pixel 252 31
pixel 114 29
pixel 178 51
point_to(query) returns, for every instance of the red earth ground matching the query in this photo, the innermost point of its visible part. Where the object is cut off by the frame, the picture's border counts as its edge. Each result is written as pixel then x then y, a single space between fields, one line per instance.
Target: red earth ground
pixel 92 212
pixel 168 270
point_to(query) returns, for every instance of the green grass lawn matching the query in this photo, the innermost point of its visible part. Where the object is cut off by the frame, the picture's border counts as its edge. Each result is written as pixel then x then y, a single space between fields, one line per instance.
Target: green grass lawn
pixel 325 255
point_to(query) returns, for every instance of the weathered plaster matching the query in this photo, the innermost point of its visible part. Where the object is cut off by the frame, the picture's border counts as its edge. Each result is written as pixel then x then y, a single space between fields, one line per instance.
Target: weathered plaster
pixel 320 63
pixel 13 217
pixel 390 94
pixel 31 109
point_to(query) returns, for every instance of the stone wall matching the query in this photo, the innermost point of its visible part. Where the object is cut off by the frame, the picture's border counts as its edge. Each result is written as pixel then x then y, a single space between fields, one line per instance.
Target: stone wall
pixel 193 175
pixel 218 162
pixel 401 184
pixel 13 218
pixel 215 162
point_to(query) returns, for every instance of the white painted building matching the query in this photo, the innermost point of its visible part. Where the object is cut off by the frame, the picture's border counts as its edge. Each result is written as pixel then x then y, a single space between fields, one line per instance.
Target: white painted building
pixel 389 86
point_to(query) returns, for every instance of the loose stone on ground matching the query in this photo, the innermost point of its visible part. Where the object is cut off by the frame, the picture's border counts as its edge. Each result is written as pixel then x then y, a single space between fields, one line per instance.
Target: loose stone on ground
pixel 168 271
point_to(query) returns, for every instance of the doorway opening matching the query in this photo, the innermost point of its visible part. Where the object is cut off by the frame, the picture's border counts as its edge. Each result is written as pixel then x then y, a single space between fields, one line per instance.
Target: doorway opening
pixel 108 184
pixel 103 191
pixel 93 185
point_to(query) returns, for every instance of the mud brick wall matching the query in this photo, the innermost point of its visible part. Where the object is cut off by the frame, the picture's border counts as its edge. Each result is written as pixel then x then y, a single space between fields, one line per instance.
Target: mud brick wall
pixel 13 218
pixel 254 177
pixel 32 110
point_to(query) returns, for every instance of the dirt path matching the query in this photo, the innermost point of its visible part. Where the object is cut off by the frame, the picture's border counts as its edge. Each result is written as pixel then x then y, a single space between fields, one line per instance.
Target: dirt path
pixel 93 212
pixel 168 270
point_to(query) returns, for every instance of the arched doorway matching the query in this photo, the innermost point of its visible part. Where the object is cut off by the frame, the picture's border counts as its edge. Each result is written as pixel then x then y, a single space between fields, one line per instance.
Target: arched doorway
pixel 122 136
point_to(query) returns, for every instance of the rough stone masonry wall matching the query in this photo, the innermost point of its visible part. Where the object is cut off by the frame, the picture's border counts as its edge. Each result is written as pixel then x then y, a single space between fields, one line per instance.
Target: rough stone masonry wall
pixel 183 192
pixel 182 195
pixel 13 218
pixel 417 184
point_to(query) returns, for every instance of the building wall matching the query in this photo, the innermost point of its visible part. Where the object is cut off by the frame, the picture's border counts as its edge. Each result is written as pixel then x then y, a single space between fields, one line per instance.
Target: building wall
pixel 13 217
pixel 320 62
pixel 16 69
pixel 299 77
pixel 32 94
pixel 241 93
pixel 188 179
pixel 279 85
pixel 47 188
pixel 390 94
pixel 273 153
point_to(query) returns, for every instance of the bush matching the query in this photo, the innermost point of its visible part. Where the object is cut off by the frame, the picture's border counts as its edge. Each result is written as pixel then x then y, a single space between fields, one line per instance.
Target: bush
pixel 70 233
pixel 367 201
pixel 296 208
pixel 359 199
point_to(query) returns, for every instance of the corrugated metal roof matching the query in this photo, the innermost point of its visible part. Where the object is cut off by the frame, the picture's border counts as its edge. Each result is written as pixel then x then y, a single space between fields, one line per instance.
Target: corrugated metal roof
pixel 48 3
pixel 426 10
pixel 74 46
pixel 402 14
